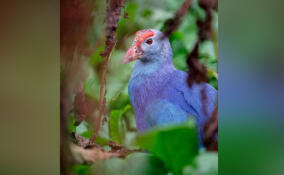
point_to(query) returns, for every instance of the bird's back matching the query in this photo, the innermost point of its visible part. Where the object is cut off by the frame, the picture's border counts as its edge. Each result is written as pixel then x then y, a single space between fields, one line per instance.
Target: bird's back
pixel 163 97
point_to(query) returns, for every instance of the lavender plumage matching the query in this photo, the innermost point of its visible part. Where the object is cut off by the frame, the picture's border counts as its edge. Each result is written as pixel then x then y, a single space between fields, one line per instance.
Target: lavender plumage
pixel 158 91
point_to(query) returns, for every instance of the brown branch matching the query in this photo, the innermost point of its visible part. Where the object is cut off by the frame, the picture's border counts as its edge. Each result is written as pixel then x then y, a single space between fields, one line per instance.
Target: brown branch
pixel 198 73
pixel 210 138
pixel 172 24
pixel 92 154
pixel 101 107
pixel 112 18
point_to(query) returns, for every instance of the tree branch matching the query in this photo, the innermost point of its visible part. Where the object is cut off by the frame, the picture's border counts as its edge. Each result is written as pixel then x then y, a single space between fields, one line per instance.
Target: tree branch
pixel 101 102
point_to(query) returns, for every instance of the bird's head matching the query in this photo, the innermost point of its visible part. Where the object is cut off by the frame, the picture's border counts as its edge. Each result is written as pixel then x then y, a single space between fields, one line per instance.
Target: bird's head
pixel 149 45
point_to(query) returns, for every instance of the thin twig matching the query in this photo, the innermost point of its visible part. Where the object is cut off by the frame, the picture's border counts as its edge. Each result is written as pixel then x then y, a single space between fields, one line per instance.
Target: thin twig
pixel 98 123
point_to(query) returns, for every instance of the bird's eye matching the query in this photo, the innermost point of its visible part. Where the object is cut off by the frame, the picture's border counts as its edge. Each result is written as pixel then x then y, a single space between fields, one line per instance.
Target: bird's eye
pixel 149 41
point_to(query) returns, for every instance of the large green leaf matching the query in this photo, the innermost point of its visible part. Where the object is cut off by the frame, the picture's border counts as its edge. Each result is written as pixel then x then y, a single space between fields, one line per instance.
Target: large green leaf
pixel 176 145
pixel 134 164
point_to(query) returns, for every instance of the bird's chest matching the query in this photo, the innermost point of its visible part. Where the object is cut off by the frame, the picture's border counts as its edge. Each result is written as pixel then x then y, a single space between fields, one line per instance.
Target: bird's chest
pixel 150 100
pixel 145 88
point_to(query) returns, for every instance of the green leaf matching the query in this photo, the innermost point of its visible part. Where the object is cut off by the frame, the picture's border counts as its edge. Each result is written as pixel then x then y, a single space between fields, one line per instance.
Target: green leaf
pixel 119 101
pixel 96 58
pixel 85 130
pixel 82 128
pixel 175 145
pixel 101 141
pixel 134 164
pixel 131 9
pixel 92 84
pixel 116 126
pixel 72 126
pixel 81 169
pixel 179 61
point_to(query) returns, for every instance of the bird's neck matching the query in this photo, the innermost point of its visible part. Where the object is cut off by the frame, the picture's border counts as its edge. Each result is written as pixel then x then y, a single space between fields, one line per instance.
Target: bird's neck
pixel 148 68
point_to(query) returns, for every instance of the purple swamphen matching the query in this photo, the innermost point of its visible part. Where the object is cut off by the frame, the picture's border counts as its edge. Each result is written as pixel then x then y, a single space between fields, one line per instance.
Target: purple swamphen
pixel 158 91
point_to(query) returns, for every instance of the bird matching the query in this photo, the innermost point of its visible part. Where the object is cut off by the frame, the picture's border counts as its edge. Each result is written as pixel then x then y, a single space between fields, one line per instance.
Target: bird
pixel 158 92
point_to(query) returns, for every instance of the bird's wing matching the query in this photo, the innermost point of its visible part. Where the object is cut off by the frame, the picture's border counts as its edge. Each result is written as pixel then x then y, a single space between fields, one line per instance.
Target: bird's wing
pixel 191 98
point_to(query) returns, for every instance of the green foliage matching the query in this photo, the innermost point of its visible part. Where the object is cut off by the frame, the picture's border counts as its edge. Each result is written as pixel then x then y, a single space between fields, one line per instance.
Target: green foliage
pixel 119 101
pixel 81 169
pixel 96 58
pixel 116 125
pixel 84 130
pixel 134 164
pixel 175 145
pixel 92 85
pixel 72 127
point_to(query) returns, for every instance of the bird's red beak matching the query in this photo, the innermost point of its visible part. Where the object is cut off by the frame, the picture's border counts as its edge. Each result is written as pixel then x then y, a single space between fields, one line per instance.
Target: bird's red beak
pixel 132 54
